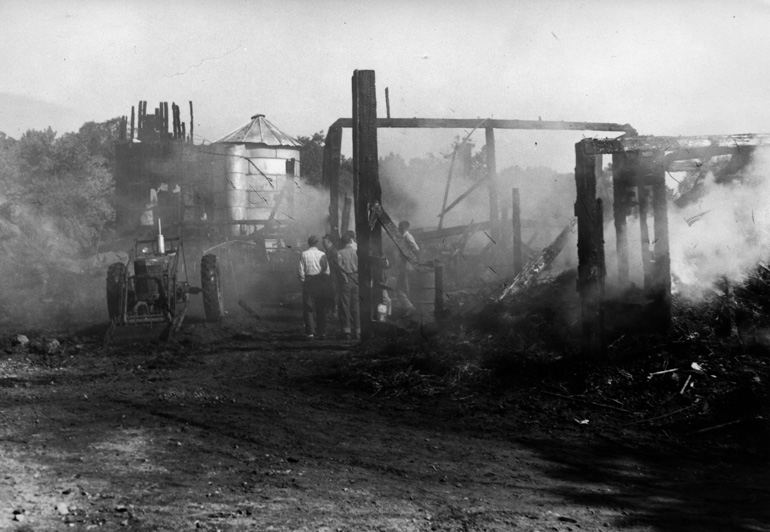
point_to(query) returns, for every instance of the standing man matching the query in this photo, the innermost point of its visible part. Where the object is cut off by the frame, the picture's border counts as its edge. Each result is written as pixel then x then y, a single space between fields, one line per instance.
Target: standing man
pixel 314 276
pixel 347 259
pixel 332 256
pixel 402 282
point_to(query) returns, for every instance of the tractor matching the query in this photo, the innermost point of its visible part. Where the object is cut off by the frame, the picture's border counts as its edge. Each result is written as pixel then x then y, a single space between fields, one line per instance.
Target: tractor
pixel 157 291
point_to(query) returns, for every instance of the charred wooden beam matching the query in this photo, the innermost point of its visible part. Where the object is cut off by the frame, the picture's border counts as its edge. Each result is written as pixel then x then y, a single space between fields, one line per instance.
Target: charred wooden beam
pixel 591 267
pixel 465 194
pixel 681 145
pixel 367 192
pixel 378 214
pixel 331 175
pixel 537 265
pixel 494 208
pixel 132 125
pixel 516 226
pixel 191 121
pixel 438 234
pixel 463 123
pixel 446 189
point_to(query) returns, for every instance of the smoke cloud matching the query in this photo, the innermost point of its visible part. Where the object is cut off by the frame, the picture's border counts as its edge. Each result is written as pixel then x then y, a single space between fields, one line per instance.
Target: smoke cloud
pixel 725 234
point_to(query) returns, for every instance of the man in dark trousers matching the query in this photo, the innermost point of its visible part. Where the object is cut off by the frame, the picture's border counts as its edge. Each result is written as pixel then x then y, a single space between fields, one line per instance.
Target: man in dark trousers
pixel 314 276
pixel 347 261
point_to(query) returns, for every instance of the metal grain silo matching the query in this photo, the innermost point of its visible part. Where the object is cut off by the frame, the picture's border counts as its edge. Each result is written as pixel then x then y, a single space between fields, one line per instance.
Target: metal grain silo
pixel 261 163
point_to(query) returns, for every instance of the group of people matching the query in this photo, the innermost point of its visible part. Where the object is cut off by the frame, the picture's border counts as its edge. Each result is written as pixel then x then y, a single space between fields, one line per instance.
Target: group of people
pixel 330 279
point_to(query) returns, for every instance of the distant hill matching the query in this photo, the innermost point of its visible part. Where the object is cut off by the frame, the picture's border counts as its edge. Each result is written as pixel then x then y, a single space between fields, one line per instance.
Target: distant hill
pixel 20 113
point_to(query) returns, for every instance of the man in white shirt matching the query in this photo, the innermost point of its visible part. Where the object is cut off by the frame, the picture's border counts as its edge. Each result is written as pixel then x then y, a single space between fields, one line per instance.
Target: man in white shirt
pixel 314 276
pixel 402 282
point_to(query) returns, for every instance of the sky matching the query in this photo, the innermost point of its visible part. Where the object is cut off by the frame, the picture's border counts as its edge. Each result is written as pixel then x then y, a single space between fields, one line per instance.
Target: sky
pixel 667 68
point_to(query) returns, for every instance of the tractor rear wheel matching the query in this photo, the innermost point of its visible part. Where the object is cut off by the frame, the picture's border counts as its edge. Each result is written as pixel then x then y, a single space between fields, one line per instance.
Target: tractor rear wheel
pixel 211 288
pixel 116 278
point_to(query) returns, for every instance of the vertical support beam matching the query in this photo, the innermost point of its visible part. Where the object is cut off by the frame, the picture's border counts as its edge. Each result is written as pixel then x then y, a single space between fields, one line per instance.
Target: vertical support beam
pixel 518 262
pixel 661 267
pixel 387 102
pixel 291 172
pixel 438 303
pixel 620 212
pixel 591 267
pixel 191 121
pixel 494 211
pixel 366 192
pixel 331 176
pixel 131 139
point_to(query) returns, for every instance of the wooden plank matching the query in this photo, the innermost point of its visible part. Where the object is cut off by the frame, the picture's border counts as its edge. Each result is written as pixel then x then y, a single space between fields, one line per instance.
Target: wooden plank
pixel 377 213
pixel 463 123
pixel 462 196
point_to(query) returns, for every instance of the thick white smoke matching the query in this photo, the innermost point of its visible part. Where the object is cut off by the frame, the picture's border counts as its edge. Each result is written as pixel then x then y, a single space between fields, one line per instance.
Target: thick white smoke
pixel 725 234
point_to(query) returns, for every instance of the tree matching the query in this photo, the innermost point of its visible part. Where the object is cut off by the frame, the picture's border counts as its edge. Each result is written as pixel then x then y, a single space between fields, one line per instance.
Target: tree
pixel 312 158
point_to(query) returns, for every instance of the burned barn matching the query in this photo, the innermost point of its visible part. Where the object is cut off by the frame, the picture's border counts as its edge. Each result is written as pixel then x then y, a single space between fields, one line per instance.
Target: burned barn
pixel 639 166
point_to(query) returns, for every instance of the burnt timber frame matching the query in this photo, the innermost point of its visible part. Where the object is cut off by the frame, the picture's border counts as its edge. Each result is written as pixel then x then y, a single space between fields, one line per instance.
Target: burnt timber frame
pixel 367 191
pixel 333 146
pixel 639 168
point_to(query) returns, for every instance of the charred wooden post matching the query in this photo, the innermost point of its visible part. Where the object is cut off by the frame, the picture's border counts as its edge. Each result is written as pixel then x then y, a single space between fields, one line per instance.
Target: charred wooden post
pixel 367 192
pixel 191 121
pixel 660 289
pixel 331 175
pixel 591 267
pixel 131 139
pixel 494 211
pixel 438 304
pixel 621 206
pixel 518 262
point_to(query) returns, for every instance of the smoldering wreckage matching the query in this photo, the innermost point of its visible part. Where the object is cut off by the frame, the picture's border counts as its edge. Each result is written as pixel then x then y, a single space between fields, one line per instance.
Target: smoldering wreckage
pixel 616 341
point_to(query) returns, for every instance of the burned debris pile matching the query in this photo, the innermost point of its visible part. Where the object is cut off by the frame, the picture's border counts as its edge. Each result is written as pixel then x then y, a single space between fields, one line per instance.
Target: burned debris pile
pixel 707 377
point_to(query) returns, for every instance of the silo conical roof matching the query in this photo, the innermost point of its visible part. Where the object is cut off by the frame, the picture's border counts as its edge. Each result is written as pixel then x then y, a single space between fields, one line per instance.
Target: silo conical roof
pixel 259 130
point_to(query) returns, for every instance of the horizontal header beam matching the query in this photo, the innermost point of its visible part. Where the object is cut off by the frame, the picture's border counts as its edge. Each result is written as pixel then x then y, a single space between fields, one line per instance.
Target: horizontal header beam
pixel 465 123
pixel 673 144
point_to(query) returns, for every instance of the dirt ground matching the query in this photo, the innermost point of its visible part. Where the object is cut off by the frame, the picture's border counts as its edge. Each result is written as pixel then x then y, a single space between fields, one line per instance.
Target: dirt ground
pixel 247 426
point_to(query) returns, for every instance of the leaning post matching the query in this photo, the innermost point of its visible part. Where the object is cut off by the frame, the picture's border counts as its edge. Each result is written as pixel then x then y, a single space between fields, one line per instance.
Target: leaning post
pixel 494 210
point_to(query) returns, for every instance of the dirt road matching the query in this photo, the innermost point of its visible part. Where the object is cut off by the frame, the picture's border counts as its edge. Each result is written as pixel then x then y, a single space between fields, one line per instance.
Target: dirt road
pixel 249 427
